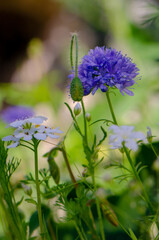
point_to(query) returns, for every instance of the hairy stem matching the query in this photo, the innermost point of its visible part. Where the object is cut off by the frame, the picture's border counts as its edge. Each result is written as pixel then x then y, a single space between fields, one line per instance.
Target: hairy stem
pixel 85 122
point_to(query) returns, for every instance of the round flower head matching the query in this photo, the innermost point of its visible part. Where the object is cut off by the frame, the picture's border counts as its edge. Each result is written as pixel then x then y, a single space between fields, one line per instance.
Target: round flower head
pixel 105 67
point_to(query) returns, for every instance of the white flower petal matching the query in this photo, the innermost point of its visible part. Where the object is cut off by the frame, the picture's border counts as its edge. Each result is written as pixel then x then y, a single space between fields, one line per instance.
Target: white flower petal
pixel 114 128
pixel 40 136
pixel 52 135
pixel 13 145
pixel 27 137
pixel 16 124
pixel 125 134
pixel 57 130
pixel 131 144
pixel 37 120
pixel 10 138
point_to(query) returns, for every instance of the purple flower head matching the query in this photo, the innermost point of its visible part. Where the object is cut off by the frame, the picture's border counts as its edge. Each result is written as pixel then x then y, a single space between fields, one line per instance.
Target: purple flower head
pixel 105 67
pixel 13 113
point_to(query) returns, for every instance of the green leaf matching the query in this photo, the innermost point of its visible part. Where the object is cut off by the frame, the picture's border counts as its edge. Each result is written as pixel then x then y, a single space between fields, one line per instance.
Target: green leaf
pixel 102 120
pixel 77 128
pixel 72 115
pixel 20 201
pixel 30 200
pixel 54 169
pixel 104 137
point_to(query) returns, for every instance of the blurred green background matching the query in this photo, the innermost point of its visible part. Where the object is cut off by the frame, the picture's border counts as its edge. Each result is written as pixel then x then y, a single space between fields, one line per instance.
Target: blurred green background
pixel 34 64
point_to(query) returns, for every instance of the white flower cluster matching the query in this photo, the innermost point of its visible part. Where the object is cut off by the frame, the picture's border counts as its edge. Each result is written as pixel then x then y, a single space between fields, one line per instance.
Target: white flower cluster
pixel 126 135
pixel 28 128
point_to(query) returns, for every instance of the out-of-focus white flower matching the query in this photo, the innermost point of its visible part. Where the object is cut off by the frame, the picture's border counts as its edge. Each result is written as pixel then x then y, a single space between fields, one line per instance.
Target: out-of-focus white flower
pixel 126 135
pixel 28 129
pixel 77 109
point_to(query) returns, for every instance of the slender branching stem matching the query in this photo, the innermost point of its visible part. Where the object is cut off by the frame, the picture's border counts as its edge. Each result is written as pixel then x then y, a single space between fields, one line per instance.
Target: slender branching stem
pixel 38 189
pixel 138 178
pixel 136 175
pixel 153 149
pixel 79 231
pixel 98 208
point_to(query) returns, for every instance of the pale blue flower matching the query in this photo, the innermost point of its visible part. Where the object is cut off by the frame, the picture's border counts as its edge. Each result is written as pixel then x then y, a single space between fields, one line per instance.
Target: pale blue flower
pixel 126 135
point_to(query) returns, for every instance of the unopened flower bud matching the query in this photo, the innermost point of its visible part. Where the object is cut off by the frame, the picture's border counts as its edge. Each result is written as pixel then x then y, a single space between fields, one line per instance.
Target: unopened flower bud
pixel 27 189
pixel 77 109
pixel 76 89
pixel 88 117
pixel 149 135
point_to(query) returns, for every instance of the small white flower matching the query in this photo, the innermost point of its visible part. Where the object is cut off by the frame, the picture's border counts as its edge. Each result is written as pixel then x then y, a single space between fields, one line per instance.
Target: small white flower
pixel 43 132
pixel 13 139
pixel 25 134
pixel 125 134
pixel 28 129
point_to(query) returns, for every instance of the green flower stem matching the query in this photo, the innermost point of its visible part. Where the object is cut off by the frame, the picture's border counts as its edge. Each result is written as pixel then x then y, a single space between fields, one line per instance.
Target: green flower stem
pixel 85 122
pixel 68 166
pixel 38 189
pixel 153 149
pixel 79 232
pixel 98 209
pixel 130 160
pixel 111 108
pixel 138 179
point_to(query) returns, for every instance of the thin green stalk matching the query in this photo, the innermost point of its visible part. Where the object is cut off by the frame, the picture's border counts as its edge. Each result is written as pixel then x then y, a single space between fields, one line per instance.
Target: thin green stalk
pixel 26 146
pixel 129 158
pixel 69 167
pixel 38 190
pixel 98 209
pixel 153 149
pixel 85 122
pixel 82 230
pixel 138 179
pixel 111 108
pixel 79 232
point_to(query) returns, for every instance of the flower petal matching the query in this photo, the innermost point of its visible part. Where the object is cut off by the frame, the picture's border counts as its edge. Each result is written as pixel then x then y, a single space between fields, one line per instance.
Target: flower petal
pixel 40 136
